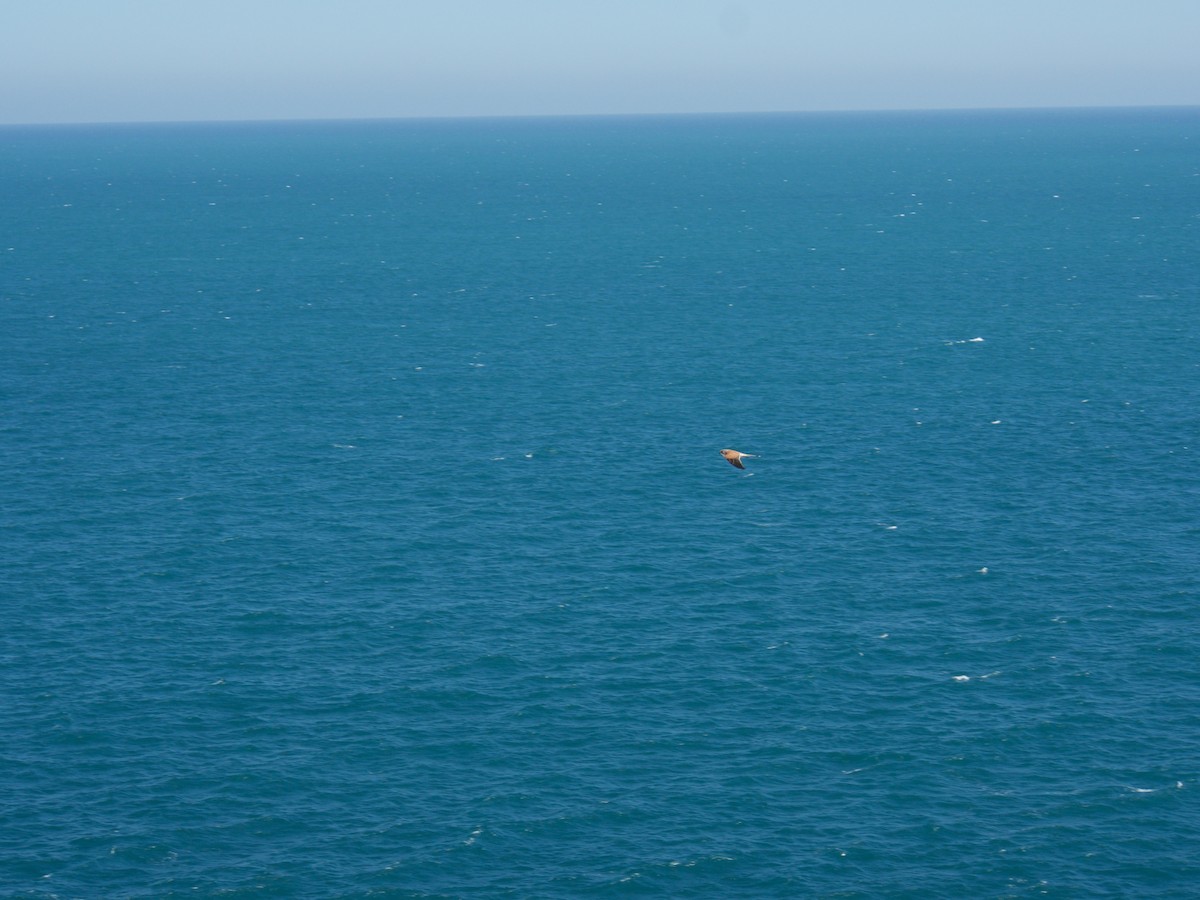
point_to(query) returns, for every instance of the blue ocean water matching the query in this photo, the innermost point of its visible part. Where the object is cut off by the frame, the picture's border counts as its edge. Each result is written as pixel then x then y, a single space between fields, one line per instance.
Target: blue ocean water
pixel 364 531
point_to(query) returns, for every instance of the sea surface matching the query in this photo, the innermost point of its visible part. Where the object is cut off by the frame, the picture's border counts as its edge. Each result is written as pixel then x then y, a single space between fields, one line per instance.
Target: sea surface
pixel 363 531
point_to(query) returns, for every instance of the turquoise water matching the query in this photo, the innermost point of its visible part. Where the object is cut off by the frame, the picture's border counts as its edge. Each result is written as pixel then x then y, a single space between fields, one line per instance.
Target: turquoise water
pixel 364 531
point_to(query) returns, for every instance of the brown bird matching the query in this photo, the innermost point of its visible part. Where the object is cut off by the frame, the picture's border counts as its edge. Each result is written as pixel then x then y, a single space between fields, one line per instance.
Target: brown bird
pixel 735 457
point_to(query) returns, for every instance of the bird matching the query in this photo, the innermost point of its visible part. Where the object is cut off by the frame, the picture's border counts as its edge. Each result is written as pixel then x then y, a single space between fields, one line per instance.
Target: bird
pixel 735 457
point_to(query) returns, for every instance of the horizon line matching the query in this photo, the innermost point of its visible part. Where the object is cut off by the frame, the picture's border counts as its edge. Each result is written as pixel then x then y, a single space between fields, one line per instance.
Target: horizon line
pixel 448 117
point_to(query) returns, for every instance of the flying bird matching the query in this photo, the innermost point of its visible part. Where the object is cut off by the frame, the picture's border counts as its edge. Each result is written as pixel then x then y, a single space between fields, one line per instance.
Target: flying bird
pixel 735 457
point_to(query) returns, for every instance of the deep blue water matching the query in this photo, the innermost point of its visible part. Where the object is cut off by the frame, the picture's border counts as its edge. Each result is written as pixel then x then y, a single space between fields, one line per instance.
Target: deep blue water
pixel 363 531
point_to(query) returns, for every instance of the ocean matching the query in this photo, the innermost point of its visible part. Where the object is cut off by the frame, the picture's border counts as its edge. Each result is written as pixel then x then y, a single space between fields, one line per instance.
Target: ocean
pixel 364 530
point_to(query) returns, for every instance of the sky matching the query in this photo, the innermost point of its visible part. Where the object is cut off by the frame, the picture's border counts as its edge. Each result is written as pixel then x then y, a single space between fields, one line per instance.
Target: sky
pixel 189 60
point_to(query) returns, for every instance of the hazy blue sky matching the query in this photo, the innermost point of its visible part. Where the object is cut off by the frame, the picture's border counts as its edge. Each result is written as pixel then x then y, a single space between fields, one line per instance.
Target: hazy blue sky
pixel 122 60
